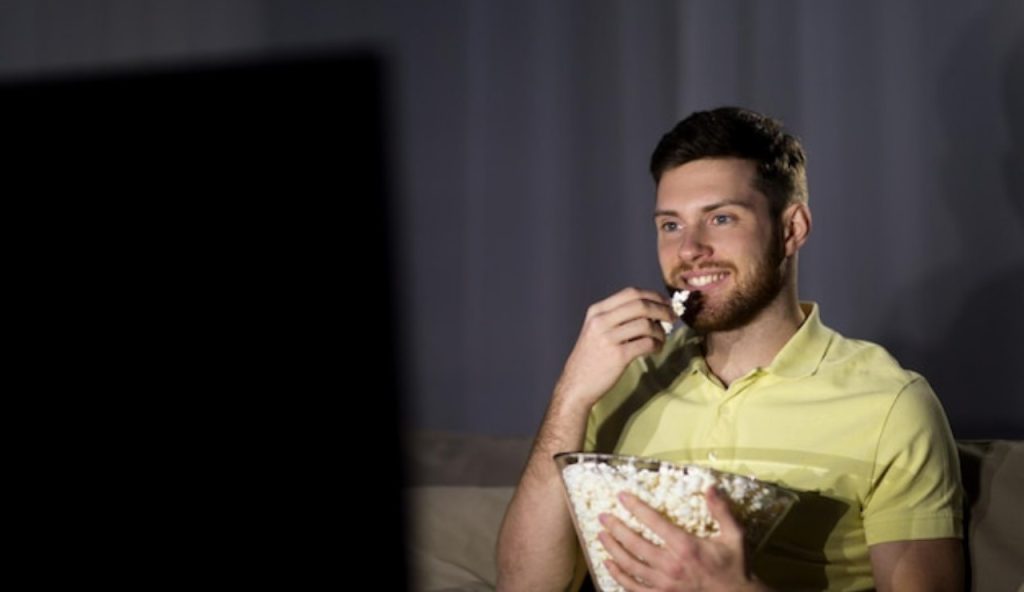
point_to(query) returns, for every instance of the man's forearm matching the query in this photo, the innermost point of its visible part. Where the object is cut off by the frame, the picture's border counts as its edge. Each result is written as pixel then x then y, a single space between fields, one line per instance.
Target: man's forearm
pixel 537 543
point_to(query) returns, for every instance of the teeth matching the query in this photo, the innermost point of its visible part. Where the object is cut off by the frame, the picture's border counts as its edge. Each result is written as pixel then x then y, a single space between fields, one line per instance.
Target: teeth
pixel 704 280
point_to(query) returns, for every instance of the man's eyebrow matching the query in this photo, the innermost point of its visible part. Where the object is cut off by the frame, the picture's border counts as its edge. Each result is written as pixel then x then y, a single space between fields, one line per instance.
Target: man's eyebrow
pixel 713 206
pixel 741 203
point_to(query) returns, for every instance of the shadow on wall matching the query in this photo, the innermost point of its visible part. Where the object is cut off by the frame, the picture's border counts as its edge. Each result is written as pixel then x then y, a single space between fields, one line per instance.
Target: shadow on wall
pixel 973 355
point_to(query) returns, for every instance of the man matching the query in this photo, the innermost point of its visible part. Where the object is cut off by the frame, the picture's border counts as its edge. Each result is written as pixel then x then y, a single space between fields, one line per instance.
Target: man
pixel 755 384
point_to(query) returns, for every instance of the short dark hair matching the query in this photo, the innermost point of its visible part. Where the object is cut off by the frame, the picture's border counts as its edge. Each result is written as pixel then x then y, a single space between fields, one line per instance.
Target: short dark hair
pixel 739 133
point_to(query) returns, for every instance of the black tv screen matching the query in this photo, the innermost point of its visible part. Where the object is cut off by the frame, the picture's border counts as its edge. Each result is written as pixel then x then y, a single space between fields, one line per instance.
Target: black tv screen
pixel 216 244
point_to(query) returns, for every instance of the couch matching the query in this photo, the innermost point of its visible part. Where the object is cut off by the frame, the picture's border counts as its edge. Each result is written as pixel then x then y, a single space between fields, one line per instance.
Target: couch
pixel 459 486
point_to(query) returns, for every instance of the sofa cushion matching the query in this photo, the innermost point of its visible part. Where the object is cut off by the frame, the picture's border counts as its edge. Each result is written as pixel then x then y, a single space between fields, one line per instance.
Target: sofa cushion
pixel 460 486
pixel 454 534
pixel 993 478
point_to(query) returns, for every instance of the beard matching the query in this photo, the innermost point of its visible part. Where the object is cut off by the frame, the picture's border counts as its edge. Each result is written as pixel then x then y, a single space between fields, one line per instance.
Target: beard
pixel 751 294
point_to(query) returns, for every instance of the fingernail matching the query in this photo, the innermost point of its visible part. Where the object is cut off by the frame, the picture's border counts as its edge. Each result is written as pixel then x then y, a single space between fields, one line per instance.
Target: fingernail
pixel 623 497
pixel 603 519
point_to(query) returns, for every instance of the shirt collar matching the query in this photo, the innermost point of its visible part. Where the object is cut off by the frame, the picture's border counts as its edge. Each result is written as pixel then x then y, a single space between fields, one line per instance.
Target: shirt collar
pixel 800 357
pixel 805 350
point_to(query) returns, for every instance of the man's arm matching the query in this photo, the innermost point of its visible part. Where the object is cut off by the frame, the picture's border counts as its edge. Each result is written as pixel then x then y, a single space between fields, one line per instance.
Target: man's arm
pixel 537 548
pixel 935 565
pixel 918 492
pixel 537 543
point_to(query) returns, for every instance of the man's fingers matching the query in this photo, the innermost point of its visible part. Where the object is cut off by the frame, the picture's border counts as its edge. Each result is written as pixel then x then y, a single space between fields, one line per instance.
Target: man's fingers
pixel 623 297
pixel 641 347
pixel 628 582
pixel 730 529
pixel 638 309
pixel 628 552
pixel 718 506
pixel 636 329
pixel 661 526
pixel 642 552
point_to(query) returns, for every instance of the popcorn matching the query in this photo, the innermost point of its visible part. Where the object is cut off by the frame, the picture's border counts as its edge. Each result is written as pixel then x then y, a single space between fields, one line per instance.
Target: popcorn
pixel 678 307
pixel 593 482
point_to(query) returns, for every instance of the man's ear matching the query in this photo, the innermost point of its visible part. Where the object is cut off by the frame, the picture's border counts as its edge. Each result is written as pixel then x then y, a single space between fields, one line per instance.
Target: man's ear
pixel 796 226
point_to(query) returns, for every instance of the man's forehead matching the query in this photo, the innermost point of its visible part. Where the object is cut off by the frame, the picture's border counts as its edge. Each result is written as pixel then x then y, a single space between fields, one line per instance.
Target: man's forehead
pixel 710 170
pixel 705 182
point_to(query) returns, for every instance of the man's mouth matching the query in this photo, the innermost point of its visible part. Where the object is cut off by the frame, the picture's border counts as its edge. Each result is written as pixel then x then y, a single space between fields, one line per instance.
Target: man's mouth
pixel 699 281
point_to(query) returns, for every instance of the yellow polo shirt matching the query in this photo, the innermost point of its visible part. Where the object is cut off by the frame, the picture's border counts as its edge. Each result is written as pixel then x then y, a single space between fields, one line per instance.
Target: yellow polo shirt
pixel 864 441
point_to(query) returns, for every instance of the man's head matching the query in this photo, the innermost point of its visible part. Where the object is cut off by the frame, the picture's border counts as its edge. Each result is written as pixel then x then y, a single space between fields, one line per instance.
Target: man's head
pixel 732 132
pixel 731 214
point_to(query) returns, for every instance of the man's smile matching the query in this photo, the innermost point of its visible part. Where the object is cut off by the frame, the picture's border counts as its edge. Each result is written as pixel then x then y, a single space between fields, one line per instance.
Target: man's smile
pixel 704 280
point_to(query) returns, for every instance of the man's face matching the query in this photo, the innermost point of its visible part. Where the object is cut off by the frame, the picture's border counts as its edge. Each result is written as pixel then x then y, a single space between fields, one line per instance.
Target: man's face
pixel 717 237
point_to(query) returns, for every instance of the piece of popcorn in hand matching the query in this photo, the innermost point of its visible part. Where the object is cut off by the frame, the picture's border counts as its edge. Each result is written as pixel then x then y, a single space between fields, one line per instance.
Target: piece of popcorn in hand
pixel 679 302
pixel 678 307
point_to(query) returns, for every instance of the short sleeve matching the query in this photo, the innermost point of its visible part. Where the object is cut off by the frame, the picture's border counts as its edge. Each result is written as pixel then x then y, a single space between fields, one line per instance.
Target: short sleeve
pixel 915 486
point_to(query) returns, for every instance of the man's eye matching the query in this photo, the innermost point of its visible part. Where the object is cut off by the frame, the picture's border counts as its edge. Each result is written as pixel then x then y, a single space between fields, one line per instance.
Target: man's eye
pixel 720 219
pixel 669 227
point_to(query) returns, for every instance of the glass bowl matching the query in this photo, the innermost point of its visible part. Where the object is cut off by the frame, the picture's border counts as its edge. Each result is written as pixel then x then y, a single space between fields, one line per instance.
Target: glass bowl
pixel 593 481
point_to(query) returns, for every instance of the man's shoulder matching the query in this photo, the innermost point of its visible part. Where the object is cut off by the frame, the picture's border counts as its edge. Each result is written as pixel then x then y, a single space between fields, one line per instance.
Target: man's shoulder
pixel 863 360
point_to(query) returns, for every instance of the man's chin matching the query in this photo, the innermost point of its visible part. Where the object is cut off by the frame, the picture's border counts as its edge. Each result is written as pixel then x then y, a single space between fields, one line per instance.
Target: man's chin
pixel 704 320
pixel 703 325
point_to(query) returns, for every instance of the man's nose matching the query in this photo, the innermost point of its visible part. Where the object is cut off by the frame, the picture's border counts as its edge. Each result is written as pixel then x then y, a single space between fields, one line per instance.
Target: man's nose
pixel 693 245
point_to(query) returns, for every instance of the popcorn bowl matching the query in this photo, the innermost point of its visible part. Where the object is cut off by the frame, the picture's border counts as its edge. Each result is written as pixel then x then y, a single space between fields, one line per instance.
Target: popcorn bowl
pixel 593 481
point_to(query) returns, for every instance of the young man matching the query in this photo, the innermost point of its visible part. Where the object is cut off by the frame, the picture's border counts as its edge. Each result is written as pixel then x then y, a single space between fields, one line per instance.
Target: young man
pixel 755 384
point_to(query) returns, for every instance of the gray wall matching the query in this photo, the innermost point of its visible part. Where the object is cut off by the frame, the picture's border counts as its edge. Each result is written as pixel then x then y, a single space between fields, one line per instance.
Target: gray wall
pixel 521 132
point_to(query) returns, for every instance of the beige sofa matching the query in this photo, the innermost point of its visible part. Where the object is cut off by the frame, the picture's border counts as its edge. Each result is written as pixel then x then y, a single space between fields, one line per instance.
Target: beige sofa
pixel 460 485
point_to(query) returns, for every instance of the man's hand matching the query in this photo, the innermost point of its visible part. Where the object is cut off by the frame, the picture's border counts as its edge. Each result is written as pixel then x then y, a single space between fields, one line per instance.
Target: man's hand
pixel 616 330
pixel 537 547
pixel 686 562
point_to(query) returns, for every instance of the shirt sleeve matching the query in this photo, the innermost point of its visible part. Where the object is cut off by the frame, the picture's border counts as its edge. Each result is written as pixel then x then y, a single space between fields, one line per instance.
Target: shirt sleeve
pixel 916 492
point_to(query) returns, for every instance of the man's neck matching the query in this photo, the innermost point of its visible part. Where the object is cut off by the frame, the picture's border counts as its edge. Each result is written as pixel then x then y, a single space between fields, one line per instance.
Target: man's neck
pixel 732 354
